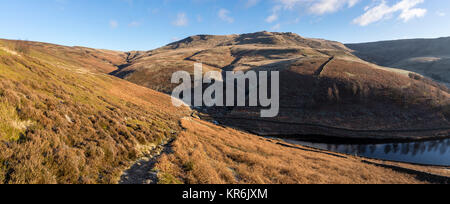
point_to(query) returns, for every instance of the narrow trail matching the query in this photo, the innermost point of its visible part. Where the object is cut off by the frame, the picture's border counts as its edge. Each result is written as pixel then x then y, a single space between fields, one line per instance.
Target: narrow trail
pixel 142 171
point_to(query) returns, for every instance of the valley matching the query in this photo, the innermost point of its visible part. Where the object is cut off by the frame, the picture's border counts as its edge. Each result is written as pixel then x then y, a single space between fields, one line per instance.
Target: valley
pixel 324 88
pixel 82 115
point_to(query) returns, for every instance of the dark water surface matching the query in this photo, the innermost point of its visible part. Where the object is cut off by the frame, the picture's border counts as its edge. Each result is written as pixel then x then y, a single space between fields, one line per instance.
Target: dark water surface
pixel 424 152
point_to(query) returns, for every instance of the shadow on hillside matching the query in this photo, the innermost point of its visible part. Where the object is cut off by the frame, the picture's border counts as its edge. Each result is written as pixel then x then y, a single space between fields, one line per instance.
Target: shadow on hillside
pixel 327 108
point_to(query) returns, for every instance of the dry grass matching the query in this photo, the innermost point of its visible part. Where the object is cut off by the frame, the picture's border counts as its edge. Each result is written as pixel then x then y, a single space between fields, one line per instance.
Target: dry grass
pixel 349 93
pixel 155 71
pixel 69 58
pixel 11 127
pixel 218 57
pixel 436 170
pixel 58 125
pixel 22 47
pixel 425 56
pixel 63 121
pixel 205 154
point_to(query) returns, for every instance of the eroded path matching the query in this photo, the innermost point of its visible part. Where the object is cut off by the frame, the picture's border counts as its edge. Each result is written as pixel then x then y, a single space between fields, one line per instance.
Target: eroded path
pixel 143 172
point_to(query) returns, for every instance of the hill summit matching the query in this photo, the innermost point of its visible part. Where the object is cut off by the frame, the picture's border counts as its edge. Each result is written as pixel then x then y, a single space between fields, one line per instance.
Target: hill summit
pixel 263 38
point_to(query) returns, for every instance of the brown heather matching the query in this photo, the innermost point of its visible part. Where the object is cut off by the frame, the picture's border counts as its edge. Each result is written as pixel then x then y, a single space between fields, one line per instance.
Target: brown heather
pixel 205 153
pixel 64 120
pixel 323 86
pixel 62 123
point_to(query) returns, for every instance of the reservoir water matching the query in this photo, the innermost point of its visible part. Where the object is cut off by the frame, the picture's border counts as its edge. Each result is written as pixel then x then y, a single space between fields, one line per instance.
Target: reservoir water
pixel 424 152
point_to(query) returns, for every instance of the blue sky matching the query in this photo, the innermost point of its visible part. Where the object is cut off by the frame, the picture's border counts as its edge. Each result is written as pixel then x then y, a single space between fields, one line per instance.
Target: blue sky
pixel 147 24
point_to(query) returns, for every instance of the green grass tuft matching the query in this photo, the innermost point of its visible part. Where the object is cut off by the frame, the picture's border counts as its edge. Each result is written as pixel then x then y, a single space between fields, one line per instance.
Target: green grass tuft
pixel 11 127
pixel 165 178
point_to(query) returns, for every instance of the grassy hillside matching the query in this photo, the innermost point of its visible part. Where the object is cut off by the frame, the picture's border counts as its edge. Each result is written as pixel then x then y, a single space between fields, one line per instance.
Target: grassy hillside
pixel 206 153
pixel 430 57
pixel 153 69
pixel 62 121
pixel 344 97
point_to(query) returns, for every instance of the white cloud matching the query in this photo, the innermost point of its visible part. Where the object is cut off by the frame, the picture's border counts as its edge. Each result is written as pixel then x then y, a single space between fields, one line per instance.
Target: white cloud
pixel 276 27
pixel 378 10
pixel 113 24
pixel 407 9
pixel 224 15
pixel 319 7
pixel 274 17
pixel 373 14
pixel 181 20
pixel 330 6
pixel 352 3
pixel 412 13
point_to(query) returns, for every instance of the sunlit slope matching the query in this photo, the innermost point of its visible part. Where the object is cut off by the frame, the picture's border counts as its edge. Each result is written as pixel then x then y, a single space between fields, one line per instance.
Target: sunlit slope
pixel 79 59
pixel 208 154
pixel 63 121
pixel 430 57
pixel 154 68
pixel 325 90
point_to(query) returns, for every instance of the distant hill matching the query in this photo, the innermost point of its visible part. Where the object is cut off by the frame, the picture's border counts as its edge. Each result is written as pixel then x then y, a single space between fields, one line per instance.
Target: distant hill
pixel 429 57
pixel 154 68
pixel 325 89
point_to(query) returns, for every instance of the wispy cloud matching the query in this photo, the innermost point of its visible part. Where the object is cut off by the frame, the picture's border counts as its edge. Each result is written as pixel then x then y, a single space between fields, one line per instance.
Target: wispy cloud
pixel 318 6
pixel 330 6
pixel 406 8
pixel 224 15
pixel 276 27
pixel 275 14
pixel 314 7
pixel 181 20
